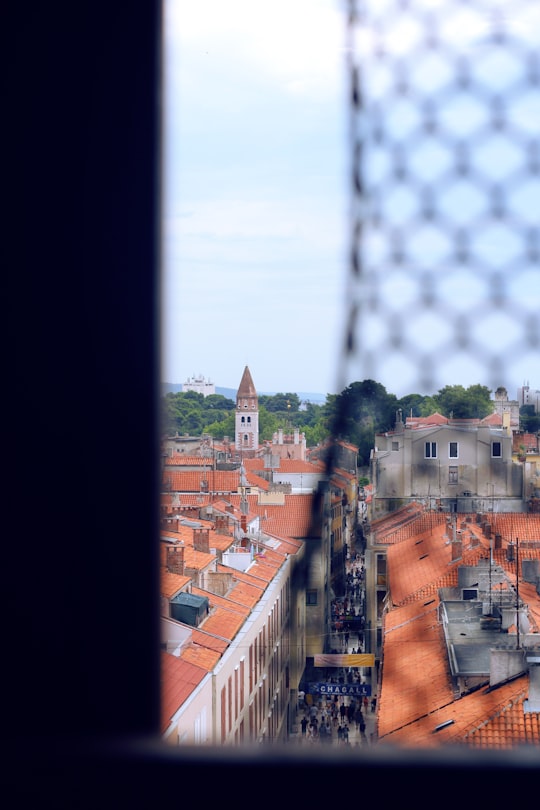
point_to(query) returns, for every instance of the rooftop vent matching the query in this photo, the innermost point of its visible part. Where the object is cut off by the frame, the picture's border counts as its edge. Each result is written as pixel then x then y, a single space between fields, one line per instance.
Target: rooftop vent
pixel 443 725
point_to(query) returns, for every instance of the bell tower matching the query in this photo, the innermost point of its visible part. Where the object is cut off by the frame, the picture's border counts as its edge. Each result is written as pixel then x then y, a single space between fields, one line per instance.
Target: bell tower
pixel 247 417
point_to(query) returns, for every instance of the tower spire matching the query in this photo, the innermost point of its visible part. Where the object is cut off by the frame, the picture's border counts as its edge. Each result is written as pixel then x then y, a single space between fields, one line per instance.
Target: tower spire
pixel 247 416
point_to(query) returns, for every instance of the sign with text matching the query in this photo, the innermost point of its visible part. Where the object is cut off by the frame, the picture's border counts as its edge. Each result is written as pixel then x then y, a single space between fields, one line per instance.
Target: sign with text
pixel 345 660
pixel 363 689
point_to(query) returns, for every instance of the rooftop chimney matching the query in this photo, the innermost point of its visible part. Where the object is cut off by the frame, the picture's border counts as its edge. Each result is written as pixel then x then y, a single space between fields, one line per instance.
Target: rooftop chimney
pixel 201 541
pixel 175 559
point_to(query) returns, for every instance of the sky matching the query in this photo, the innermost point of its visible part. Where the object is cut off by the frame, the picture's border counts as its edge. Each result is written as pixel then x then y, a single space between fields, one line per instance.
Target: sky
pixel 257 203
pixel 255 194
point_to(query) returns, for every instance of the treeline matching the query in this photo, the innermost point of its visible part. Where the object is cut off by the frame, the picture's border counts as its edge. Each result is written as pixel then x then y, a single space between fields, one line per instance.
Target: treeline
pixel 355 415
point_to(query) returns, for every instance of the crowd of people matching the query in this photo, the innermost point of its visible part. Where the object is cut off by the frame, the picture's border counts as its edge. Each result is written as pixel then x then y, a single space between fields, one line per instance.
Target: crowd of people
pixel 331 721
pixel 341 719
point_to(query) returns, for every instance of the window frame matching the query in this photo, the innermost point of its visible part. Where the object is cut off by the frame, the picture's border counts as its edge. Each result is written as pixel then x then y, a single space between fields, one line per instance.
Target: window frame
pixel 433 450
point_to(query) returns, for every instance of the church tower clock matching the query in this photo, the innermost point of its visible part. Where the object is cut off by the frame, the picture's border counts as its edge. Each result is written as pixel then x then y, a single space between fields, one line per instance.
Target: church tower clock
pixel 247 417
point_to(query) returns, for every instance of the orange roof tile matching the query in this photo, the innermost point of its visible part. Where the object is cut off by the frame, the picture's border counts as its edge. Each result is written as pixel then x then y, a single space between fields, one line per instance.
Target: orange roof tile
pixel 201 656
pixel 416 693
pixel 179 679
pixel 416 675
pixel 222 621
pixel 191 480
pixel 180 460
pixel 292 519
pixel 487 718
pixel 170 584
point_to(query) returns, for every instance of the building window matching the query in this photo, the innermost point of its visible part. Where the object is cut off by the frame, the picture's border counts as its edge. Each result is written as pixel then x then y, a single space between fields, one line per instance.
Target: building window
pixel 496 450
pixel 452 475
pixel 430 450
pixel 452 450
pixel 311 597
pixel 395 445
pixel 249 420
pixel 243 419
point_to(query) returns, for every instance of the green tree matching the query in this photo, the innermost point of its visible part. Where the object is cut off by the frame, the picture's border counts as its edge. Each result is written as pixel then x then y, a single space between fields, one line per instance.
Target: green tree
pixel 217 402
pixel 411 405
pixel 288 403
pixel 428 406
pixel 311 414
pixel 193 422
pixel 315 434
pixel 529 421
pixel 361 410
pixel 224 427
pixel 464 403
pixel 268 424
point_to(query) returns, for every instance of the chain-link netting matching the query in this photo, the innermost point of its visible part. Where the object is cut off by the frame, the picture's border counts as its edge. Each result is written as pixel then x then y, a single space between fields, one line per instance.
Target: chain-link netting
pixel 445 219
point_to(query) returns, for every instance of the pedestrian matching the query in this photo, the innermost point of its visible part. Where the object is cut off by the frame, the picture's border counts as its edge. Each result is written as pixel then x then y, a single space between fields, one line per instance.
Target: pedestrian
pixel 304 724
pixel 373 703
pixel 366 703
pixel 342 710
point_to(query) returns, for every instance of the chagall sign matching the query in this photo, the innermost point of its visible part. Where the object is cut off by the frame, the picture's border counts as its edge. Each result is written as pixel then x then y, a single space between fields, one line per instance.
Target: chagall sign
pixel 363 689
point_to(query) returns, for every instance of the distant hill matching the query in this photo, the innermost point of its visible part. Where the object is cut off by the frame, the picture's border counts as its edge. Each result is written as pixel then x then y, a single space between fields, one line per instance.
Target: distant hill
pixel 230 393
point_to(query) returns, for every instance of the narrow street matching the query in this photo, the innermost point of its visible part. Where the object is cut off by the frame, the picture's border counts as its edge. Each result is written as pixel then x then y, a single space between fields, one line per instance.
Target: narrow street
pixel 343 719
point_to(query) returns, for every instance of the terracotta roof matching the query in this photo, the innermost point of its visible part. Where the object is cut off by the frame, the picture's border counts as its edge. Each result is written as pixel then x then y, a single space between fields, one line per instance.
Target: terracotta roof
pixel 173 504
pixel 179 679
pixel 197 560
pixel 170 584
pixel 416 676
pixel 383 529
pixel 256 463
pixel 255 480
pixel 294 465
pixel 417 705
pixel 246 589
pixel 207 640
pixel 180 460
pixel 225 618
pixel 285 545
pixel 292 519
pixel 419 561
pixel 493 419
pixel 204 649
pixel 190 480
pixel 487 719
pixel 221 542
pixel 426 421
pixel 201 656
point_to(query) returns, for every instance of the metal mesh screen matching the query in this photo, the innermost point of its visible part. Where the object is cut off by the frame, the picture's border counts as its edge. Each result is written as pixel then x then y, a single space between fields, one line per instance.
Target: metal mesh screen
pixel 443 281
